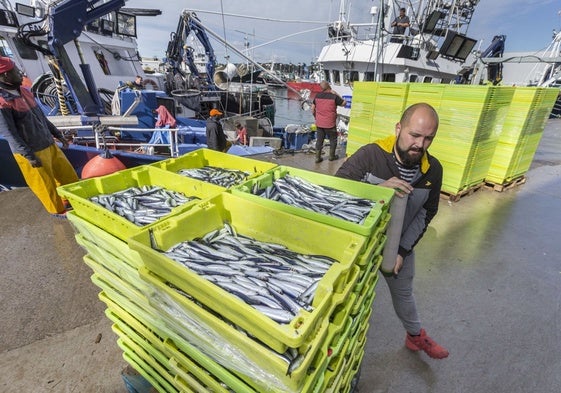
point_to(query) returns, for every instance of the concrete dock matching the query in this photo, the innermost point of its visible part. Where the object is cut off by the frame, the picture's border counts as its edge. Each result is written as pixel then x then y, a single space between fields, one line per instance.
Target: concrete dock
pixel 488 287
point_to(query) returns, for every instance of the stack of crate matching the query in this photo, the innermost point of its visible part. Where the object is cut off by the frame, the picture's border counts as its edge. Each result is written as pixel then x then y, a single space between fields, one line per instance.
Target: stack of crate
pixel 183 333
pixel 471 119
pixel 486 133
pixel 521 134
pixel 377 107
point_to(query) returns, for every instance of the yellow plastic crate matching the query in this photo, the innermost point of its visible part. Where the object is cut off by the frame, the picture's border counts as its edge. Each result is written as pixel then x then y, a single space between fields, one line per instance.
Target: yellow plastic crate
pixel 173 345
pixel 366 293
pixel 264 224
pixel 156 359
pixel 180 358
pixel 125 321
pixel 79 194
pixel 193 377
pixel 143 367
pixel 111 264
pixel 104 240
pixel 382 196
pixel 256 354
pixel 206 157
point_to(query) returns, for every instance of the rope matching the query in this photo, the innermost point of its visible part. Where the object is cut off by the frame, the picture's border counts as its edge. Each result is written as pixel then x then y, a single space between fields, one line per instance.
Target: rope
pixel 59 89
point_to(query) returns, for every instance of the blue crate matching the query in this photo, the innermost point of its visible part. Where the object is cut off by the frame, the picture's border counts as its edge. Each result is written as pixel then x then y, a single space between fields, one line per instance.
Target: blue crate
pixel 295 140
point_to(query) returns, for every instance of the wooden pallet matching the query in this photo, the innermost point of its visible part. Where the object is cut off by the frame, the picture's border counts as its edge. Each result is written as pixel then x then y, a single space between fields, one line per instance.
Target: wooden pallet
pixel 507 185
pixel 460 194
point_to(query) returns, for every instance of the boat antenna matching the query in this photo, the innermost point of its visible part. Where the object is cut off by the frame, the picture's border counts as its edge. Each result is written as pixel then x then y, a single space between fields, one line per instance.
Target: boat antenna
pixel 224 28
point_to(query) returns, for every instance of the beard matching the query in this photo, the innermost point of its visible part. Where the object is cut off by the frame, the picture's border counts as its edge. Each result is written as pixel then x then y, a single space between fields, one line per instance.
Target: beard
pixel 410 157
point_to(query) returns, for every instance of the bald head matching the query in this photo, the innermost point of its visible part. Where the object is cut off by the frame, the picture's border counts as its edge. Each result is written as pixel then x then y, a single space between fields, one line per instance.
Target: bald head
pixel 324 85
pixel 415 133
pixel 426 110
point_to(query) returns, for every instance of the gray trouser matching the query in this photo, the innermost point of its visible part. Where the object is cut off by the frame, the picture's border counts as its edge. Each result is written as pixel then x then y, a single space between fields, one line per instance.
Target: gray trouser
pixel 401 289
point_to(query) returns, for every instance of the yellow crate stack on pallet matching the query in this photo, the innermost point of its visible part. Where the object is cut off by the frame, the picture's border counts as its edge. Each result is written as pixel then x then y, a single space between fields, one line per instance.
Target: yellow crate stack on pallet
pixel 184 333
pixel 375 110
pixel 521 134
pixel 486 133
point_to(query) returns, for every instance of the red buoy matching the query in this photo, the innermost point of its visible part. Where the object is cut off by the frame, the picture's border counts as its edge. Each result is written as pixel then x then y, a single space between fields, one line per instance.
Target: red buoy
pixel 101 165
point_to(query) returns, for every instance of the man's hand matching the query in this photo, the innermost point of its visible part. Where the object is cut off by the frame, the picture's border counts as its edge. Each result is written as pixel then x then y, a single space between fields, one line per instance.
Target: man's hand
pixel 398 265
pixel 401 187
pixel 35 162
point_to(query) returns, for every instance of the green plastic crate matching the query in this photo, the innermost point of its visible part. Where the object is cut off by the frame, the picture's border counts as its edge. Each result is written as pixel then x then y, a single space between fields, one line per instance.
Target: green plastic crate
pixel 257 355
pixel 335 371
pixel 193 377
pixel 79 193
pixel 111 264
pixel 382 196
pixel 206 157
pixel 110 283
pixel 132 313
pixel 141 367
pixel 180 358
pixel 157 360
pixel 264 224
pixel 137 361
pixel 104 240
pixel 366 292
pixel 353 368
pixel 125 320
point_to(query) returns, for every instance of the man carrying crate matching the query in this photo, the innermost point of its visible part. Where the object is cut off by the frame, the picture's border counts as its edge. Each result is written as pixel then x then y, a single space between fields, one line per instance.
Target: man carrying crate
pixel 402 162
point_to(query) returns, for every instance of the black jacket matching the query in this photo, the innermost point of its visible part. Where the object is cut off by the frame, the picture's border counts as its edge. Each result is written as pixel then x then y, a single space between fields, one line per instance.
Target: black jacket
pixel 215 138
pixel 374 163
pixel 27 129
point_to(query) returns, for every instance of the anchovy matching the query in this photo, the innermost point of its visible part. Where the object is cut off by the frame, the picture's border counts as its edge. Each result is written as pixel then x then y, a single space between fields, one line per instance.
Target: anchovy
pixel 142 205
pixel 220 176
pixel 298 192
pixel 272 278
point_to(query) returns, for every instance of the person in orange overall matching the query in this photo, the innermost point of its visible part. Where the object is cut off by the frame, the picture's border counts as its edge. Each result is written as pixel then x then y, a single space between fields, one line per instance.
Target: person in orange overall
pixel 31 138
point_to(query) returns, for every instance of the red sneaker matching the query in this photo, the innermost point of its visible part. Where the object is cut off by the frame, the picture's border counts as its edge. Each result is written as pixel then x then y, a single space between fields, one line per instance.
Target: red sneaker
pixel 423 342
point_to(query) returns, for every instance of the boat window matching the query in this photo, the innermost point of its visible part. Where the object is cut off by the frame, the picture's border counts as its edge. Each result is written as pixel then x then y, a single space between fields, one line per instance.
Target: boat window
pixel 413 78
pixel 5 49
pixel 336 77
pixel 388 77
pixel 25 51
pixel 326 75
pixel 446 80
pixel 103 64
pixel 350 77
pixel 427 79
pixel 369 76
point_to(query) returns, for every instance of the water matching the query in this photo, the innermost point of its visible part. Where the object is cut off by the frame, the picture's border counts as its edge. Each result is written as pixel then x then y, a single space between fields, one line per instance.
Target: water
pixel 289 111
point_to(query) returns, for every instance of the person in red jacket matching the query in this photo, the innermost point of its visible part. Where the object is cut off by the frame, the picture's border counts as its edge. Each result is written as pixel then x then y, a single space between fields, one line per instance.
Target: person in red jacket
pixel 241 135
pixel 31 138
pixel 324 109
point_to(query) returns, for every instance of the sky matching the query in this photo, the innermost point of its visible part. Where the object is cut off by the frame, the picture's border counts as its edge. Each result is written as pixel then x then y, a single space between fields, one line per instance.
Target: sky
pixel 528 25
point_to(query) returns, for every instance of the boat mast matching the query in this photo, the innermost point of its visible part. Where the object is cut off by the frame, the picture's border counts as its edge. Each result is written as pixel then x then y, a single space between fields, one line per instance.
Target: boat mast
pixel 379 36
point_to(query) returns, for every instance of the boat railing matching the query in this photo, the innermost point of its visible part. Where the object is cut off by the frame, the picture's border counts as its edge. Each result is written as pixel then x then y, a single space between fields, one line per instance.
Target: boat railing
pixel 100 138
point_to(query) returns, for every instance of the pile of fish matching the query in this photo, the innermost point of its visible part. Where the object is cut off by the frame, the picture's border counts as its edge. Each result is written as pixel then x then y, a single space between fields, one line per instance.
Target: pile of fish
pixel 273 279
pixel 296 191
pixel 142 205
pixel 219 176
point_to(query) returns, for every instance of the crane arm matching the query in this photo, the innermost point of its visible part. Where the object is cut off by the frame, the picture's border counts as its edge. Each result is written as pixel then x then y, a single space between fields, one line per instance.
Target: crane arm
pixel 67 20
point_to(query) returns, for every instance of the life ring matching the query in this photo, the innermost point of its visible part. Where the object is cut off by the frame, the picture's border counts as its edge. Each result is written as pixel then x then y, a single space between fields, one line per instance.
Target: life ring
pixel 151 83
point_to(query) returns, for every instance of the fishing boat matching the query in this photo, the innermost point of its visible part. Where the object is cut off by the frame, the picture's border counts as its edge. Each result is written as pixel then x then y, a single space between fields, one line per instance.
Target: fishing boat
pixel 433 49
pixel 81 57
